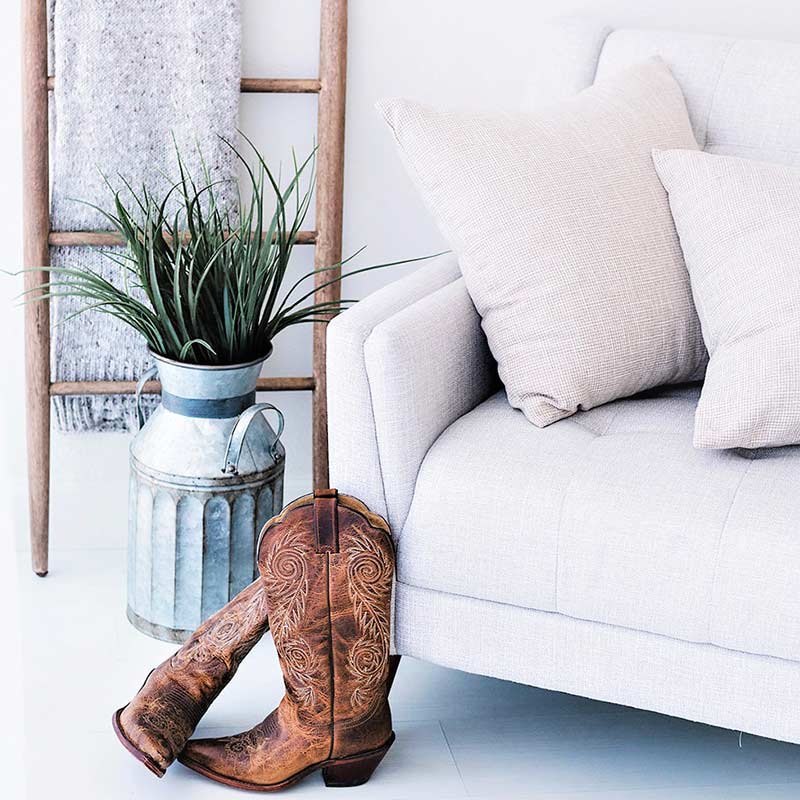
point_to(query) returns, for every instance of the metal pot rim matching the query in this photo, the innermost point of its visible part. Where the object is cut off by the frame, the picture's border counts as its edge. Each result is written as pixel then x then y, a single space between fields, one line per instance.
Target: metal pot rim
pixel 182 364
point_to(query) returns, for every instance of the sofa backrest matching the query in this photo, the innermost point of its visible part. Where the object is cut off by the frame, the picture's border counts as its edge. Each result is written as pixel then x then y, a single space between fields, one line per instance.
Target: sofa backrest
pixel 743 95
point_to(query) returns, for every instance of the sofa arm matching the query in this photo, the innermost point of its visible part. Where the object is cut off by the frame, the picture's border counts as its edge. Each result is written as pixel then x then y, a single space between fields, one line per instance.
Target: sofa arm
pixel 403 365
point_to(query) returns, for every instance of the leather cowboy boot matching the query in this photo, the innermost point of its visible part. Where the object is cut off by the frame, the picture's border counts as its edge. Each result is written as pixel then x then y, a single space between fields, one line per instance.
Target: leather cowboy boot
pixel 158 722
pixel 327 563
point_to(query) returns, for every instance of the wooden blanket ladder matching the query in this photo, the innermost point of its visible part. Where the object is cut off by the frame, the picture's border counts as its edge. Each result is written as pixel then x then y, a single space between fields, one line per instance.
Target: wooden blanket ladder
pixel 39 237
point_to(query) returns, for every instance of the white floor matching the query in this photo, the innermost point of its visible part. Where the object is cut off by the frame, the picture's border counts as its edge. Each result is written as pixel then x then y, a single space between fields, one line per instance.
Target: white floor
pixel 458 735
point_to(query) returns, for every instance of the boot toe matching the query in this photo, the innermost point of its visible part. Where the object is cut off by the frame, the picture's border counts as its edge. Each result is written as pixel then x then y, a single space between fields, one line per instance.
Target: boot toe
pixel 214 758
pixel 252 760
pixel 147 740
pixel 203 752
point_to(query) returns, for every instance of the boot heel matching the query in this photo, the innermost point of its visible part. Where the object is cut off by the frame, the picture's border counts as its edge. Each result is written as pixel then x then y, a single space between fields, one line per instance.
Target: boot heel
pixel 355 770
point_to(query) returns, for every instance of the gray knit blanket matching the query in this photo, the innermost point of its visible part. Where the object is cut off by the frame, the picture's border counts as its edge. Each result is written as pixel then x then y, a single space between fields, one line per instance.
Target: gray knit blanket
pixel 130 75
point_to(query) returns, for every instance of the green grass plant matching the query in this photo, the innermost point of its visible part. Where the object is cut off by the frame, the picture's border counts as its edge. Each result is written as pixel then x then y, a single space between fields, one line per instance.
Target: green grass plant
pixel 201 282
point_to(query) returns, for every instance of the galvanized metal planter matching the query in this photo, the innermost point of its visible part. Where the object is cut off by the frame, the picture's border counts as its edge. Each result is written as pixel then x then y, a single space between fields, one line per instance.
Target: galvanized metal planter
pixel 206 474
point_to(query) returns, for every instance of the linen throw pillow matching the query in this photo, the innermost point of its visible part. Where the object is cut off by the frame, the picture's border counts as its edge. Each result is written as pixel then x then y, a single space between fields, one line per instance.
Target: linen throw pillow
pixel 565 238
pixel 739 227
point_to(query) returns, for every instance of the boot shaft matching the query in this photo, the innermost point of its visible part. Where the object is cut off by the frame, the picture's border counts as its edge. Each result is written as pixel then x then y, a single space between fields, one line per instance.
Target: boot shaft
pixel 327 564
pixel 215 650
pixel 162 716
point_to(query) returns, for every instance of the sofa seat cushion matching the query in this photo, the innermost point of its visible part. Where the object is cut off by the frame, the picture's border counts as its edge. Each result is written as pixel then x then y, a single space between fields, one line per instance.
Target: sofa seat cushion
pixel 612 516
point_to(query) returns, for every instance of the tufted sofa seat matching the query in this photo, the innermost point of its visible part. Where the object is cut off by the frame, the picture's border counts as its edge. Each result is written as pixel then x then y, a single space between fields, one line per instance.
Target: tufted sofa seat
pixel 612 516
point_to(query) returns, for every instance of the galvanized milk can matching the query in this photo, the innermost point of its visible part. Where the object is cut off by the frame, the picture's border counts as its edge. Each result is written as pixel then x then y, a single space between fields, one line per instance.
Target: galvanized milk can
pixel 206 474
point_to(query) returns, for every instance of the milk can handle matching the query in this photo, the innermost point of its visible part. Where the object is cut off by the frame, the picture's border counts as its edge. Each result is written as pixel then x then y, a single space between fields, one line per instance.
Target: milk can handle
pixel 148 375
pixel 236 441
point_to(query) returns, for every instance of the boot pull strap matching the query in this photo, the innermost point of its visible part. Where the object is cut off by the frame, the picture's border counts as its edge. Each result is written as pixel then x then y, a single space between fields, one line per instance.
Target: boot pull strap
pixel 326 521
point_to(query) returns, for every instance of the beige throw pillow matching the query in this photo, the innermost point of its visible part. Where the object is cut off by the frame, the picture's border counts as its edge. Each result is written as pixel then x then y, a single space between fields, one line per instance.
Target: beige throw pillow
pixel 565 238
pixel 739 227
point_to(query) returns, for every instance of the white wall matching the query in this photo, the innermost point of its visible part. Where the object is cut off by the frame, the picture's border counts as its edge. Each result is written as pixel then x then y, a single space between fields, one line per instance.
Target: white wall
pixel 458 52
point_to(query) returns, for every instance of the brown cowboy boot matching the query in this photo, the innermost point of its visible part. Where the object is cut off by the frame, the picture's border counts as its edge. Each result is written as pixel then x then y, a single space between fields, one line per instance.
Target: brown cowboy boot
pixel 327 565
pixel 158 722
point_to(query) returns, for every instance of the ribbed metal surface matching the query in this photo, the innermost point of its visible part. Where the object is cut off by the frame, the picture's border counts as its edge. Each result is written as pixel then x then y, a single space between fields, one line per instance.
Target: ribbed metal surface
pixel 189 553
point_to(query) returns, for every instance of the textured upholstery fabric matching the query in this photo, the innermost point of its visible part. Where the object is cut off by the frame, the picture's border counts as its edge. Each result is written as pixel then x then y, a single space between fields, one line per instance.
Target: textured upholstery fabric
pixel 564 237
pixel 741 94
pixel 612 516
pixel 736 690
pixel 738 224
pixel 564 59
pixel 403 364
pixel 410 358
pixel 695 61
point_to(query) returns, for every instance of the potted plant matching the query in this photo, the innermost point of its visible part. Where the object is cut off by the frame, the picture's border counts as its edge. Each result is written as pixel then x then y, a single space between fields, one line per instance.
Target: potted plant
pixel 205 285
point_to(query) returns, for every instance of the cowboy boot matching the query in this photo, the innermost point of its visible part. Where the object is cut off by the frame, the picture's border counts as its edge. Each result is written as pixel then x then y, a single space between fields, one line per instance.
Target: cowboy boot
pixel 327 565
pixel 158 722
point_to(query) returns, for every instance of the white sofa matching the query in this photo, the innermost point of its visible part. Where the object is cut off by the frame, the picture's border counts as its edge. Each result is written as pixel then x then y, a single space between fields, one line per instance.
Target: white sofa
pixel 603 555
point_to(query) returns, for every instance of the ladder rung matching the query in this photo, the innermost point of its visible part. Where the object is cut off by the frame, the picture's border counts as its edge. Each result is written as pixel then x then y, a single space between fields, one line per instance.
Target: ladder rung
pixel 74 388
pixel 259 85
pixel 280 86
pixel 111 239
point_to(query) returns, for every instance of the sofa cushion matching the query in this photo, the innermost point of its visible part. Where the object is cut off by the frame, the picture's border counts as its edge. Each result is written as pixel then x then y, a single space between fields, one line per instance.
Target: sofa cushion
pixel 738 224
pixel 564 237
pixel 613 516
